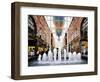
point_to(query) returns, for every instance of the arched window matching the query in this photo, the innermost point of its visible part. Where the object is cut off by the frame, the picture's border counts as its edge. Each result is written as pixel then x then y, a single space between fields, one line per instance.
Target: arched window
pixel 84 29
pixel 84 38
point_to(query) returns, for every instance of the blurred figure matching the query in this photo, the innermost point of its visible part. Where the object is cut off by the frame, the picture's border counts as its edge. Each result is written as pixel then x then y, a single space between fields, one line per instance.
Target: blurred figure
pixel 32 52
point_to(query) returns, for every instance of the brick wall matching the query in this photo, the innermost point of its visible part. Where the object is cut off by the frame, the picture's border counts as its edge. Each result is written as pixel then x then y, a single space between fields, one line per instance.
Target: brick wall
pixel 73 33
pixel 74 29
pixel 43 29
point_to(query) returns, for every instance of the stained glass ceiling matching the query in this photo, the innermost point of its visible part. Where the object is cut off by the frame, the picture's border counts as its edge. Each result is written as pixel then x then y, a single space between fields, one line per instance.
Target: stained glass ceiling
pixel 67 20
